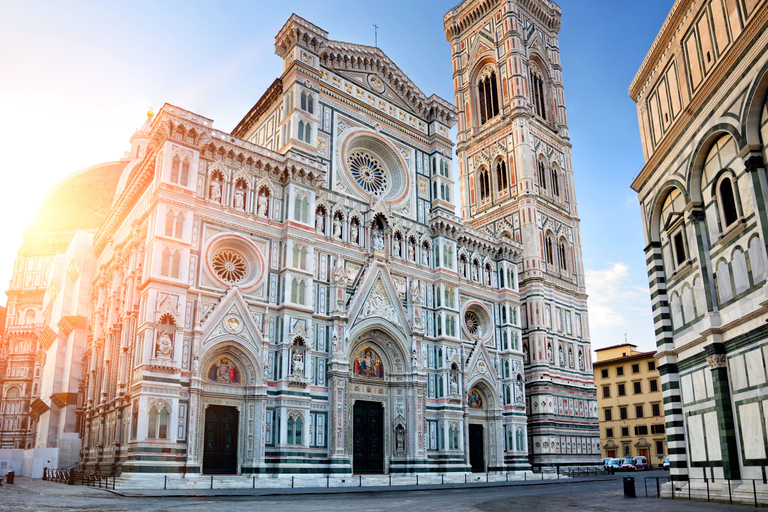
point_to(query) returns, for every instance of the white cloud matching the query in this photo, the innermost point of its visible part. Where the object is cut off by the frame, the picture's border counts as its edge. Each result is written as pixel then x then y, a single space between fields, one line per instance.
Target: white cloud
pixel 618 305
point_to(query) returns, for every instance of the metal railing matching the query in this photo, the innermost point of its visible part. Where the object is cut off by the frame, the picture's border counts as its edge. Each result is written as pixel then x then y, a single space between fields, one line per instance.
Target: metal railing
pixel 743 490
pixel 71 476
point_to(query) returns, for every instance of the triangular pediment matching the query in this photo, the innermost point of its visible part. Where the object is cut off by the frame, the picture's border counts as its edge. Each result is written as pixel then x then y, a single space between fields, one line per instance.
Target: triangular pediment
pixel 378 86
pixel 231 319
pixel 481 364
pixel 378 300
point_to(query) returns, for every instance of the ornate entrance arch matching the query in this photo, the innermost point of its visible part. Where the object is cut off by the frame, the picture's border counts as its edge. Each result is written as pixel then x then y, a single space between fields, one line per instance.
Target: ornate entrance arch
pixel 483 419
pixel 227 397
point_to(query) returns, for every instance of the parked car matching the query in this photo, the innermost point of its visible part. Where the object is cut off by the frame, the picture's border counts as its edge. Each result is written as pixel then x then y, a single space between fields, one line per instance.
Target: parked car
pixel 626 464
pixel 640 463
pixel 665 465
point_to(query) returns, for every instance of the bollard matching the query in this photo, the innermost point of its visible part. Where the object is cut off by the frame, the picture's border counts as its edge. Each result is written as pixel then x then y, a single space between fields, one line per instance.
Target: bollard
pixel 291 482
pixel 730 496
pixel 754 492
pixel 211 481
pixel 487 475
pixel 658 488
pixel 417 479
pixel 629 487
pixel 165 482
pixel 361 481
pixel 328 480
pixel 707 491
pixel 390 479
pixel 442 479
pixel 465 478
pixel 253 486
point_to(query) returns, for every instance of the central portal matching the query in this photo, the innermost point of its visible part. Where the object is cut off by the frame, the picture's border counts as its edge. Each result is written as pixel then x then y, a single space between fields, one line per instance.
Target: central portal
pixel 476 452
pixel 368 438
pixel 220 454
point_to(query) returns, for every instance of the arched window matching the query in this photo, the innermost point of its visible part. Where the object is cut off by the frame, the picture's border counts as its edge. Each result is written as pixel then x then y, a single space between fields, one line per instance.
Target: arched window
pixel 549 250
pixel 175 169
pixel 165 267
pixel 302 293
pixel 179 225
pixel 170 218
pixel 157 426
pixel 303 102
pixel 184 173
pixel 538 92
pixel 301 129
pixel 134 419
pixel 561 255
pixel 727 203
pixel 294 290
pixel 30 317
pixel 485 185
pixel 310 104
pixel 501 175
pixel 542 175
pixel 175 264
pixel 487 96
pixel 555 183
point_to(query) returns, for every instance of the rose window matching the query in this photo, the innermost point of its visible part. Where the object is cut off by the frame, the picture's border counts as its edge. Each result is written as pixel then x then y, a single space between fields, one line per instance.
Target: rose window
pixel 472 322
pixel 367 172
pixel 229 266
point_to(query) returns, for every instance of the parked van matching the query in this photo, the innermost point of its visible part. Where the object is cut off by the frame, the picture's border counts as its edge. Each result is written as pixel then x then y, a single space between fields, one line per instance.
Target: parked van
pixel 640 463
pixel 665 466
pixel 627 464
pixel 614 464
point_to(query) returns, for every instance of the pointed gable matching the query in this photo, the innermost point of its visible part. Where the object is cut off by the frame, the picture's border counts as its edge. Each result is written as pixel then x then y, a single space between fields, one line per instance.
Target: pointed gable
pixel 379 299
pixel 231 319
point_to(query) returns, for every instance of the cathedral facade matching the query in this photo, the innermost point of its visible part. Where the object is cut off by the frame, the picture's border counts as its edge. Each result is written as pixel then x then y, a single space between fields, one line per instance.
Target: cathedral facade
pixel 298 295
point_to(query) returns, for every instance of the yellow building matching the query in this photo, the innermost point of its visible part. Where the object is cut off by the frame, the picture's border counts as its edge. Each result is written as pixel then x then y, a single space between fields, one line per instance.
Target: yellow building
pixel 630 403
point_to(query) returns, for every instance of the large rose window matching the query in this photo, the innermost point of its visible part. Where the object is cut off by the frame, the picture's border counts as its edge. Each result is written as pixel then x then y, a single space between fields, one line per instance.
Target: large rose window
pixel 374 167
pixel 234 260
pixel 367 171
pixel 229 266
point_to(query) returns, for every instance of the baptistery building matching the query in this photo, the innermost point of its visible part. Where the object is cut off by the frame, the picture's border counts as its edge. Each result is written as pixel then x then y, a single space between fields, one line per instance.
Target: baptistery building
pixel 299 296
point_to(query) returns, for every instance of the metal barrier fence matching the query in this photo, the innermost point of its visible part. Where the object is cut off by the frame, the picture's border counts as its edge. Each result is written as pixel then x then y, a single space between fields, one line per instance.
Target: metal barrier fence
pixel 713 488
pixel 71 476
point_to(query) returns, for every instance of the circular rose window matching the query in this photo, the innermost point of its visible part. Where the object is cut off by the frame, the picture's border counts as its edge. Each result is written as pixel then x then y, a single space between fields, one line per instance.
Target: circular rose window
pixel 367 172
pixel 229 266
pixel 472 321
pixel 232 259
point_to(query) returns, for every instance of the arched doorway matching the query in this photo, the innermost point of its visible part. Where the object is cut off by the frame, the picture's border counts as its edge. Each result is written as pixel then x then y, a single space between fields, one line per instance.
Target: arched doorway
pixel 221 432
pixel 368 438
pixel 480 428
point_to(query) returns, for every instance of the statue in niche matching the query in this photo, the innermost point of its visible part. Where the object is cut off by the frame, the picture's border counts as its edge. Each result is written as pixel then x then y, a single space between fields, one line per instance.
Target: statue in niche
pixel 463 269
pixel 411 252
pixel 570 358
pixel 474 272
pixel 415 359
pixel 549 352
pixel 581 360
pixel 195 366
pixel 297 368
pixel 425 256
pixel 415 290
pixel 454 385
pixel 399 438
pixel 398 248
pixel 337 227
pixel 320 223
pixel 560 355
pixel 164 346
pixel 263 205
pixel 239 198
pixel 215 190
pixel 488 276
pixel 354 233
pixel 479 332
pixel 519 386
pixel 378 240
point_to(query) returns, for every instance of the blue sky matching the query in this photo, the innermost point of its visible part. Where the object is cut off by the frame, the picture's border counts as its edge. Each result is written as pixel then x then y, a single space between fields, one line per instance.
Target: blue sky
pixel 77 77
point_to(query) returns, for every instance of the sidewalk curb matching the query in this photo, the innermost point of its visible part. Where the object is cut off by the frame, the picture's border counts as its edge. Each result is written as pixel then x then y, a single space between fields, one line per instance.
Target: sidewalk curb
pixel 216 493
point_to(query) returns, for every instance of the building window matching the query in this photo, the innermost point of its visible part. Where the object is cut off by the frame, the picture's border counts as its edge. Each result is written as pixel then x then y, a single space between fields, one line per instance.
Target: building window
pixel 157 426
pixel 485 185
pixel 608 414
pixel 307 102
pixel 635 368
pixel 625 433
pixel 623 413
pixel 653 385
pixel 727 203
pixel 651 366
pixel 656 409
pixel 606 392
pixel 619 371
pixel 638 387
pixel 555 183
pixel 317 429
pixel 604 374
pixel 487 96
pixel 622 390
pixel 538 92
pixel 170 264
pixel 660 448
pixel 679 247
pixel 501 175
pixel 295 425
pixel 657 429
pixel 561 253
pixel 180 171
pixel 609 432
pixel 641 430
pixel 639 411
pixel 548 250
pixel 542 175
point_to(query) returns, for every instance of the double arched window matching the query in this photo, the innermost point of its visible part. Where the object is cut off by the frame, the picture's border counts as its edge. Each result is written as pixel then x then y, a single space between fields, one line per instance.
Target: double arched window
pixel 487 95
pixel 549 251
pixel 295 428
pixel 174 224
pixel 305 132
pixel 307 102
pixel 553 174
pixel 562 255
pixel 171 263
pixel 300 257
pixel 542 174
pixel 157 426
pixel 538 92
pixel 180 171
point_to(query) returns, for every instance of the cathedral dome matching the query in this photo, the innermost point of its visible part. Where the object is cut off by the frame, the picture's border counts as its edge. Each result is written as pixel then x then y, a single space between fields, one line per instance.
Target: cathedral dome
pixel 80 201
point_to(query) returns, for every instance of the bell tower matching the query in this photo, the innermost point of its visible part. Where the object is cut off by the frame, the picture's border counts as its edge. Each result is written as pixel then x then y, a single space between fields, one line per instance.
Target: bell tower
pixel 516 180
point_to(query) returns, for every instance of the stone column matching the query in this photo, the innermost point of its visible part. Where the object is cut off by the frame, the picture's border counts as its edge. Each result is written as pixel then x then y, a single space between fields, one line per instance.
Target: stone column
pixel 726 422
pixel 755 166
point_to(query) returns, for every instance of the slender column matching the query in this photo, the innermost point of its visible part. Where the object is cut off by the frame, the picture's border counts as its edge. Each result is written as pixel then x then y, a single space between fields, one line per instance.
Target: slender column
pixel 726 422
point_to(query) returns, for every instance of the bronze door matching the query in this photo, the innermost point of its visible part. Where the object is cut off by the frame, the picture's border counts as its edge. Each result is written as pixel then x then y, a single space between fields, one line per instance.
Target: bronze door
pixel 476 452
pixel 368 438
pixel 220 454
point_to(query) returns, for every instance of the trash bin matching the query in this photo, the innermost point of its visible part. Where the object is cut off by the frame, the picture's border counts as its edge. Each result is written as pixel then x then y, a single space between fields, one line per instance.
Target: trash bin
pixel 9 477
pixel 629 487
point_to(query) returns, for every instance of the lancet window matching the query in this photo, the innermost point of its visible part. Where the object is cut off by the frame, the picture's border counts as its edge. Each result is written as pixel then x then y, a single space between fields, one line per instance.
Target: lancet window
pixel 487 95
